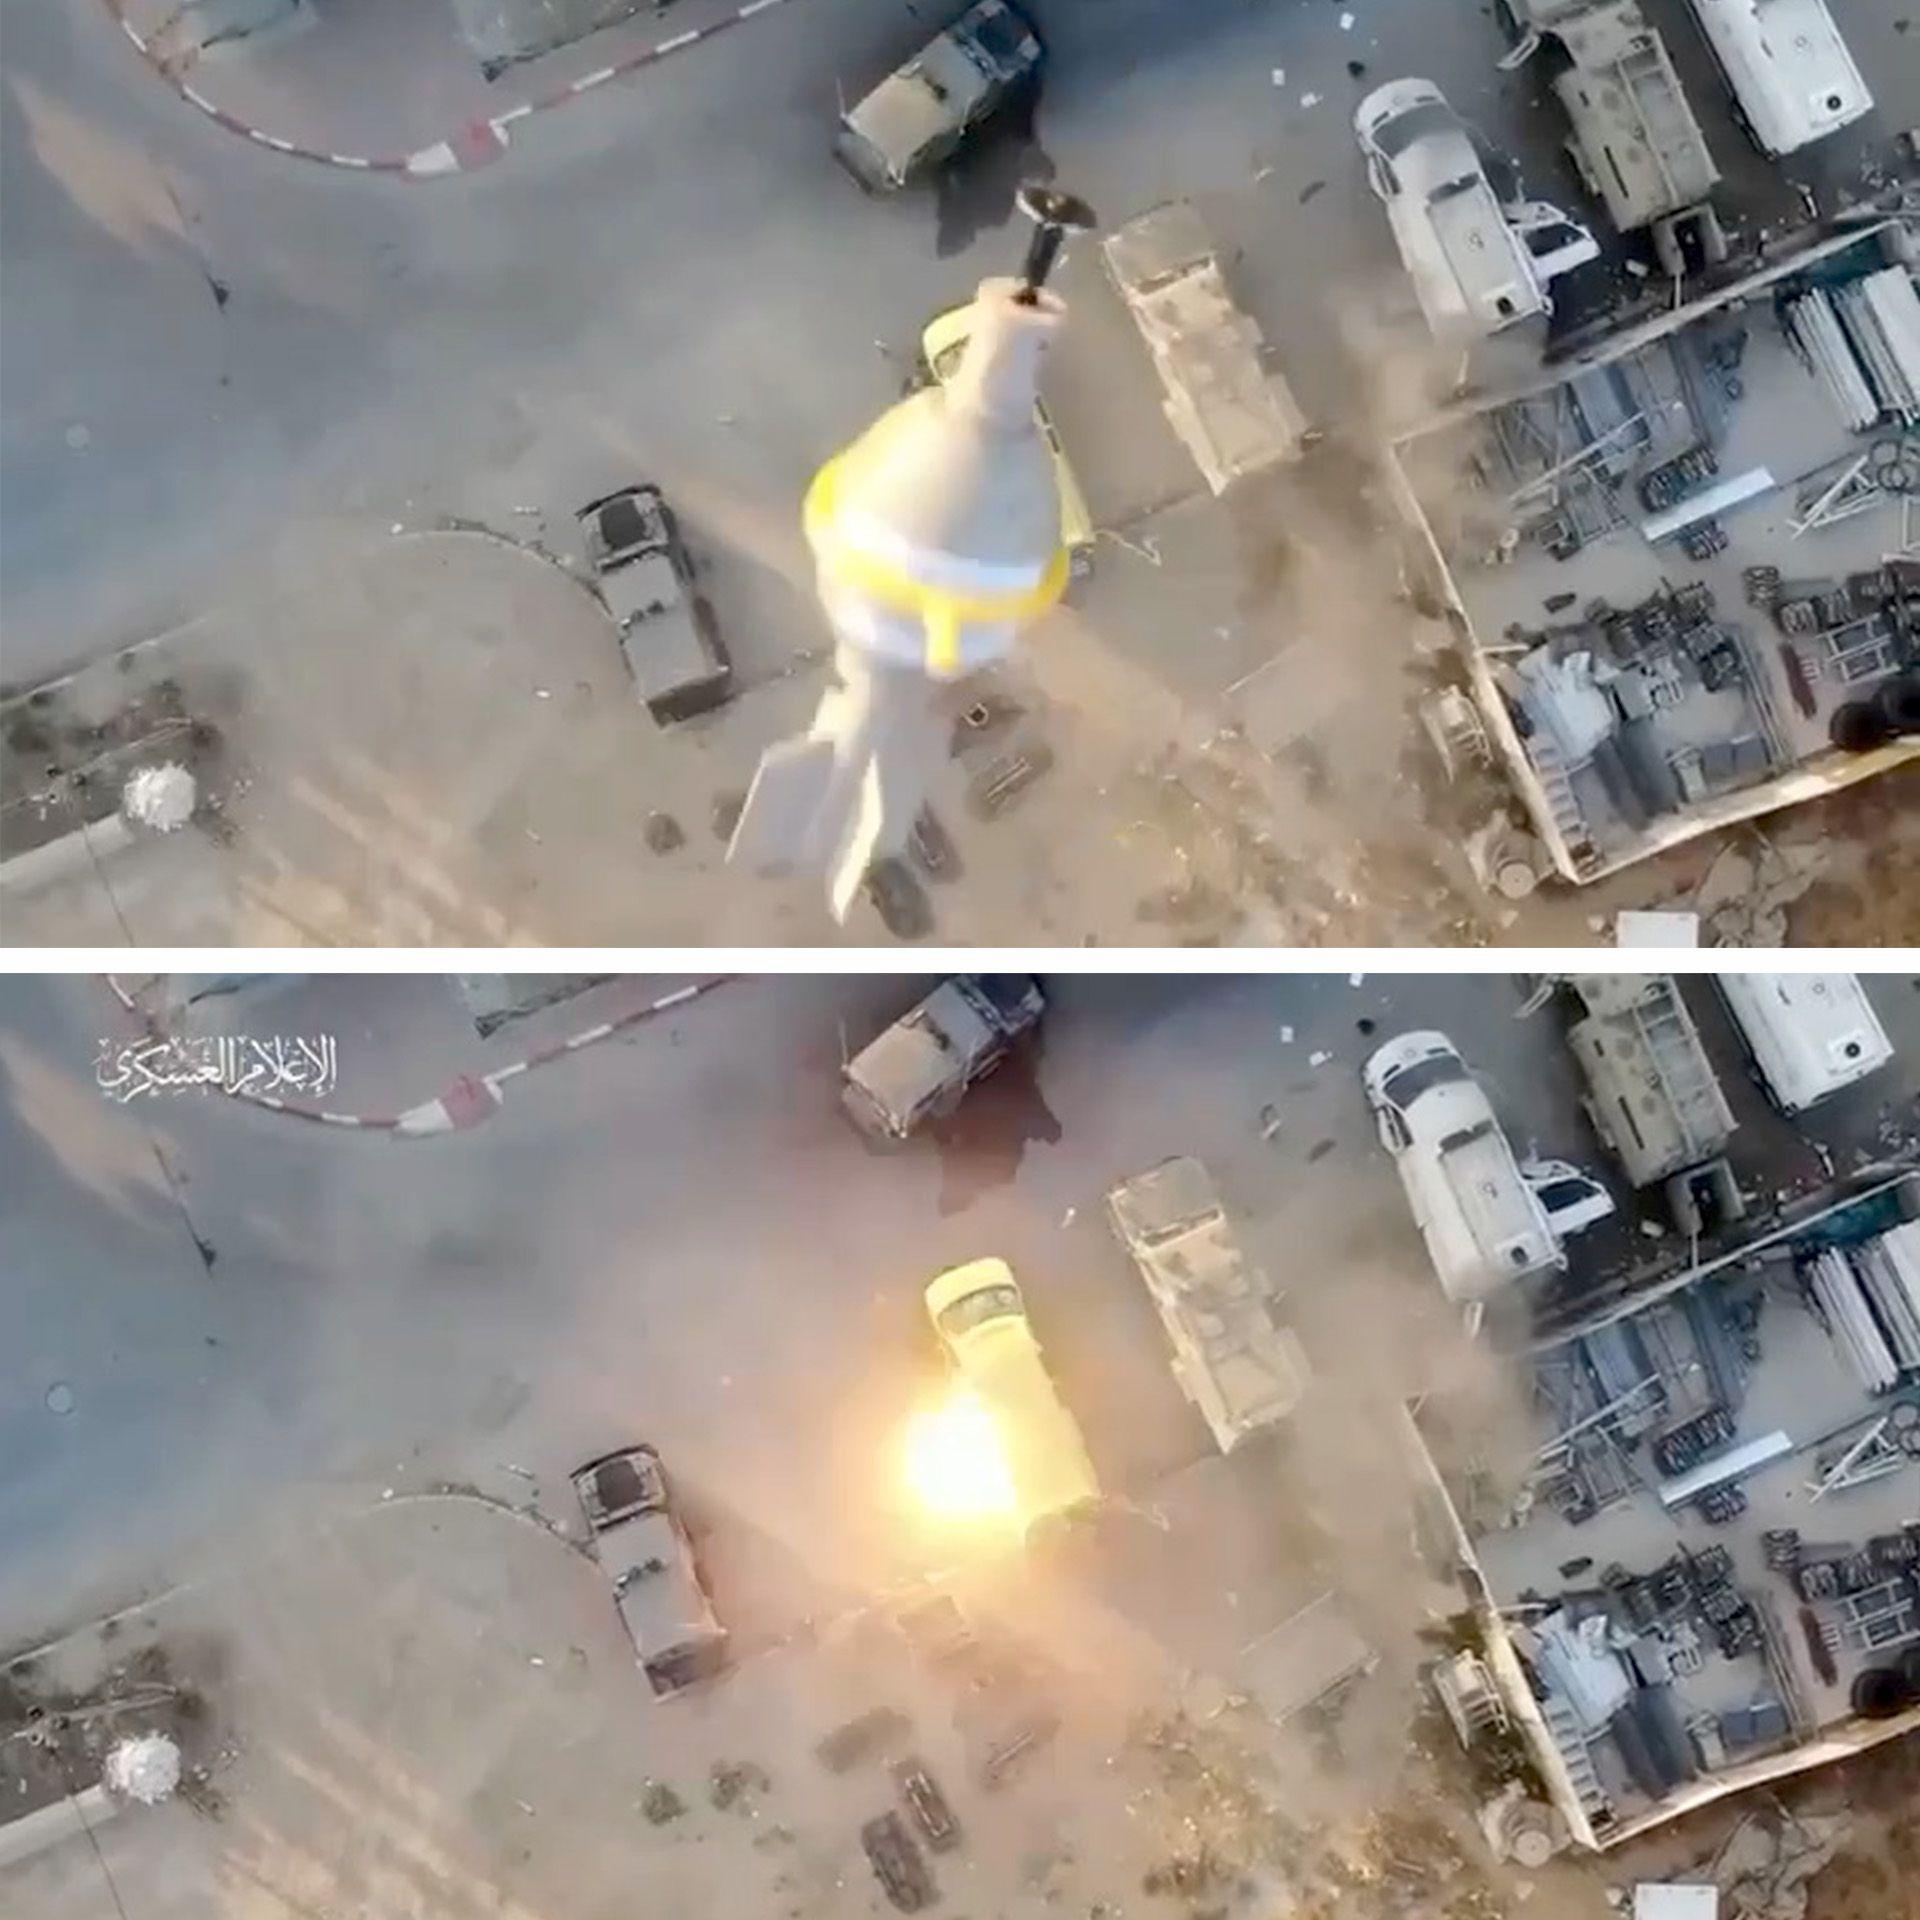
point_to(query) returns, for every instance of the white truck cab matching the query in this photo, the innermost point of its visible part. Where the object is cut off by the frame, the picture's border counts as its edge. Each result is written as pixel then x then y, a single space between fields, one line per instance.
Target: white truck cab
pixel 1810 1034
pixel 1477 264
pixel 1487 1220
pixel 1788 68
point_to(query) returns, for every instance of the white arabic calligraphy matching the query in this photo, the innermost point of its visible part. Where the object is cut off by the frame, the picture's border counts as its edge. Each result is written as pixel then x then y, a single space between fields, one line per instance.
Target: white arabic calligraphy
pixel 233 1063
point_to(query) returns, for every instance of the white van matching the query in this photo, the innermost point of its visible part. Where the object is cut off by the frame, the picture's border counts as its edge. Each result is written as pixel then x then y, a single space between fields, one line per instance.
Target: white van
pixel 1486 1222
pixel 1810 1034
pixel 1477 264
pixel 1790 72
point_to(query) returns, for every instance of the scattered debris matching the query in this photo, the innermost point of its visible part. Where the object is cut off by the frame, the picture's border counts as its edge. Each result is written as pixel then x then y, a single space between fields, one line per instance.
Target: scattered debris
pixel 854 1740
pixel 661 1804
pixel 1309 99
pixel 160 797
pixel 145 1767
pixel 1310 189
pixel 663 833
pixel 927 1804
pixel 734 1783
pixel 1650 927
pixel 896 1863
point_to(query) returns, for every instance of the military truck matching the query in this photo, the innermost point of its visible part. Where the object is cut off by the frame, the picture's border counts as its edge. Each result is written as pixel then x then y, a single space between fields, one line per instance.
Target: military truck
pixel 668 636
pixel 1652 1093
pixel 1230 412
pixel 1478 261
pixel 919 115
pixel 1636 142
pixel 919 1068
pixel 1235 1358
pixel 643 1548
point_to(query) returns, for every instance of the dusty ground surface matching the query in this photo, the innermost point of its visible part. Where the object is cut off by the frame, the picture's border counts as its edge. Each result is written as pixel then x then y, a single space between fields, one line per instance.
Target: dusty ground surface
pixel 321 357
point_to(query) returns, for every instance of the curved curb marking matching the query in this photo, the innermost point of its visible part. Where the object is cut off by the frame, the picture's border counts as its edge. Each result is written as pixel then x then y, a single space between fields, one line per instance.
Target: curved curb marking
pixel 479 142
pixel 470 1098
pixel 162 1596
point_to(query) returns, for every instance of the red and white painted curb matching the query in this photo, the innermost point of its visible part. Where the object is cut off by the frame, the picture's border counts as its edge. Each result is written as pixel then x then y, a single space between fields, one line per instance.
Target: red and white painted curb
pixel 471 146
pixel 470 1098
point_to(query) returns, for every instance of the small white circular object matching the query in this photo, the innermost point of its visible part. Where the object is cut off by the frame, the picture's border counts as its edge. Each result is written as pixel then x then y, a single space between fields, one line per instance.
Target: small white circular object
pixel 60 1397
pixel 78 437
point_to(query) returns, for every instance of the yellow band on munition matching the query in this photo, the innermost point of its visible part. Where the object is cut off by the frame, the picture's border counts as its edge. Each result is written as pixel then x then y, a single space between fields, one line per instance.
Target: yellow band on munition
pixel 941 610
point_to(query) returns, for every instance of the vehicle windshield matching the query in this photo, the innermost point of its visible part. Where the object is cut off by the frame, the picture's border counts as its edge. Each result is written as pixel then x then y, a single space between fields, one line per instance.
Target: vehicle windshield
pixel 1430 117
pixel 999 36
pixel 1560 1196
pixel 1404 1086
pixel 989 1303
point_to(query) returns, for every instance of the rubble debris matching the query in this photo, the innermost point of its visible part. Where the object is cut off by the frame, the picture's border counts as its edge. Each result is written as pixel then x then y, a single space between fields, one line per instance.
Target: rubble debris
pixel 661 1804
pixel 144 1767
pixel 1523 1829
pixel 1675 1900
pixel 734 1783
pixel 927 1804
pixel 896 1863
pixel 854 1740
pixel 1763 1867
pixel 160 797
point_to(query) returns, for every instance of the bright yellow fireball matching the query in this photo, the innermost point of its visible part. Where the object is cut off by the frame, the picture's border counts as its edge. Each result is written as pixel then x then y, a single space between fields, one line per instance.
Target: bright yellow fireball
pixel 957 1463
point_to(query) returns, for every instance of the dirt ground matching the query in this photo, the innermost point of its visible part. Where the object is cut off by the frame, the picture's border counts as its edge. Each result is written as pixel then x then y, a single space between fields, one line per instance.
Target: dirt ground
pixel 428 738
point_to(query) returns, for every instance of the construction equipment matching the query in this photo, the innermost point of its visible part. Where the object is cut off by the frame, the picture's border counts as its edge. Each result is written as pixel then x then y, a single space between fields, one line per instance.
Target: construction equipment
pixel 936 536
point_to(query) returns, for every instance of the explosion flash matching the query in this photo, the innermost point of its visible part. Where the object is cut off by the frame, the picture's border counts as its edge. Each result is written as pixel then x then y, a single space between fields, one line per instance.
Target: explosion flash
pixel 957 1462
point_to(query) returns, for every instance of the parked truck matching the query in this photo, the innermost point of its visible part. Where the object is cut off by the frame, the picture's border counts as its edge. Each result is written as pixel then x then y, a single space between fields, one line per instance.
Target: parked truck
pixel 1234 1356
pixel 1488 1222
pixel 1635 141
pixel 920 1067
pixel 1231 412
pixel 668 635
pixel 1810 1034
pixel 643 1548
pixel 921 114
pixel 1478 262
pixel 1792 77
pixel 1652 1093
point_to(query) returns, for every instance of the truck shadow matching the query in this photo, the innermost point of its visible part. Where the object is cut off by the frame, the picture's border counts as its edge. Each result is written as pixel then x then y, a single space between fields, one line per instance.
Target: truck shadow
pixel 982 1142
pixel 975 190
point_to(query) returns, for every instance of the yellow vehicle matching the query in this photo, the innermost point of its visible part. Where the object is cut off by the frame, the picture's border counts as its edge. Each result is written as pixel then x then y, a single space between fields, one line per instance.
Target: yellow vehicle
pixel 941 343
pixel 982 1322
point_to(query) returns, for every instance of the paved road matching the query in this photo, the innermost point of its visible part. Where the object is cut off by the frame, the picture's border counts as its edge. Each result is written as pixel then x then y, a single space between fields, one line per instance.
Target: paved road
pixel 269 343
pixel 673 1235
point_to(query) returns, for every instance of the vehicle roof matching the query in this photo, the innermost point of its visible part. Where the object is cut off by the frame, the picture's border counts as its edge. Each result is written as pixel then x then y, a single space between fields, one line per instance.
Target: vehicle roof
pixel 1228 410
pixel 1302 1659
pixel 1245 1369
pixel 1177 1193
pixel 1164 241
pixel 661 1601
pixel 617 1483
pixel 644 584
pixel 923 1049
pixel 936 90
pixel 957 1282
